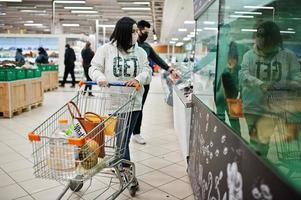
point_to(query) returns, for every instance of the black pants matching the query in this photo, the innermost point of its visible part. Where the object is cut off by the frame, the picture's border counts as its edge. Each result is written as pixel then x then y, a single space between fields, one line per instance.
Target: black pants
pixel 69 70
pixel 137 128
pixel 86 70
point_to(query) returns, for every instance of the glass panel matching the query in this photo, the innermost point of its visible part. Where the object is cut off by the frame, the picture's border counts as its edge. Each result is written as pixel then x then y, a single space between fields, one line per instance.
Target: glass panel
pixel 259 79
pixel 205 56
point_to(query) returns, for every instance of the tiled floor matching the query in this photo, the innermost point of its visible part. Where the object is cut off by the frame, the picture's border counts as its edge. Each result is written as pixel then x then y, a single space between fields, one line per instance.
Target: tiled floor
pixel 159 164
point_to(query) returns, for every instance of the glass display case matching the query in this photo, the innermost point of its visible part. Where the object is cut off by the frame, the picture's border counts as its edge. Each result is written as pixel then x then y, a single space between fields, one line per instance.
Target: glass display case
pixel 247 72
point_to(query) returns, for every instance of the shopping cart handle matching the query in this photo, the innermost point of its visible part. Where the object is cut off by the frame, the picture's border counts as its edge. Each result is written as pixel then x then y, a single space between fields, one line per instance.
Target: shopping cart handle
pixel 121 84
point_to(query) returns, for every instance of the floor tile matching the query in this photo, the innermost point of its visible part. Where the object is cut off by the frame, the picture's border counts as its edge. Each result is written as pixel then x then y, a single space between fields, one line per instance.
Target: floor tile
pixel 137 155
pixel 156 150
pixel 37 185
pixel 155 195
pixel 142 169
pixel 175 170
pixel 10 157
pixel 53 193
pixel 25 198
pixel 190 198
pixel 156 178
pixel 178 189
pixel 155 163
pixel 16 165
pixel 6 180
pixel 185 179
pixel 105 195
pixel 173 157
pixel 12 192
pixel 22 175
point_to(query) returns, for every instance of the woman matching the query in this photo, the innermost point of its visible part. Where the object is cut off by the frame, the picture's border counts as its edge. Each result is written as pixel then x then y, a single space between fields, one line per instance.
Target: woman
pixel 123 60
pixel 19 57
pixel 42 57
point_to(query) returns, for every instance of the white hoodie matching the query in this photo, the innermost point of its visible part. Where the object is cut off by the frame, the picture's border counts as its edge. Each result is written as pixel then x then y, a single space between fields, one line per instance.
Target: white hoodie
pixel 133 65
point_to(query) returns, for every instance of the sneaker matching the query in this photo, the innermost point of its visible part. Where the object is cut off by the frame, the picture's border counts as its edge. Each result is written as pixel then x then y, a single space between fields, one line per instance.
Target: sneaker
pixel 139 139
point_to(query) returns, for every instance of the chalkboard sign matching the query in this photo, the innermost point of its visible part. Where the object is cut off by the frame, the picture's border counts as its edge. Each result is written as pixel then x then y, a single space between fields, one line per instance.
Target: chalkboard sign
pixel 222 167
pixel 200 6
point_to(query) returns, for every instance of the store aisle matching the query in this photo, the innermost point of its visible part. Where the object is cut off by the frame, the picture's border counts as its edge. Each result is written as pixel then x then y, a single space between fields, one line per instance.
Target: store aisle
pixel 160 166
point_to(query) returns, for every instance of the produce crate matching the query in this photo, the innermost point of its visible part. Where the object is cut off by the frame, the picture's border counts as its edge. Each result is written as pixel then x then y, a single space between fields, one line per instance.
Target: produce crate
pixel 42 67
pixel 7 74
pixel 29 73
pixel 20 74
pixel 37 72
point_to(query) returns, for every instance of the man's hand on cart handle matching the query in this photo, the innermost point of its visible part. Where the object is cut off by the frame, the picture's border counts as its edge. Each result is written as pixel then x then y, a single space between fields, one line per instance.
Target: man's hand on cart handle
pixel 133 83
pixel 103 83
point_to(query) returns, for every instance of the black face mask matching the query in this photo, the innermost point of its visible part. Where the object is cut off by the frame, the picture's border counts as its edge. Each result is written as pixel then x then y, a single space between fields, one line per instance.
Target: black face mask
pixel 143 37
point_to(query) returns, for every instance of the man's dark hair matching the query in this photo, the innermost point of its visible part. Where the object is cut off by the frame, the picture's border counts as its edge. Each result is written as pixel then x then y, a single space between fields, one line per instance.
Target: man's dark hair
pixel 122 33
pixel 67 46
pixel 142 24
pixel 270 31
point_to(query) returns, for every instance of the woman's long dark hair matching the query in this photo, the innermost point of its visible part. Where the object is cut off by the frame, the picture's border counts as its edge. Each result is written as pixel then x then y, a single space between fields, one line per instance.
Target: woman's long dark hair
pixel 122 33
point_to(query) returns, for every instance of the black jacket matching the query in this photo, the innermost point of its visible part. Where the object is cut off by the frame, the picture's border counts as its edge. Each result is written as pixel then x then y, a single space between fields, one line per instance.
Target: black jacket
pixel 42 58
pixel 69 57
pixel 87 55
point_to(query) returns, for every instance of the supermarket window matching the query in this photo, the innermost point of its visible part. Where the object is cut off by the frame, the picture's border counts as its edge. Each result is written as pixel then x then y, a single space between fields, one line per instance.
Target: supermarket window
pixel 258 82
pixel 205 55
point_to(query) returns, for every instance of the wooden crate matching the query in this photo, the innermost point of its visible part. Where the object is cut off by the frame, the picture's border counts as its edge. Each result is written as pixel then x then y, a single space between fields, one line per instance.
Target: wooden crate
pixel 50 80
pixel 21 95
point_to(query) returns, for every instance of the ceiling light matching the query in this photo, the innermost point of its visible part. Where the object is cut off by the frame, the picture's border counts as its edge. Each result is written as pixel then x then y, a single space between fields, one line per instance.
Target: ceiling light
pixel 106 25
pixel 84 11
pixel 33 11
pixel 248 13
pixel 70 25
pixel 192 33
pixel 33 24
pixel 210 29
pixel 172 42
pixel 290 29
pixel 191 36
pixel 182 29
pixel 209 22
pixel 135 8
pixel 155 37
pixel 199 30
pixel 69 1
pixel 79 8
pixel 179 44
pixel 174 39
pixel 186 38
pixel 10 0
pixel 2 14
pixel 260 7
pixel 241 16
pixel 288 32
pixel 47 29
pixel 29 21
pixel 142 3
pixel 248 30
pixel 189 22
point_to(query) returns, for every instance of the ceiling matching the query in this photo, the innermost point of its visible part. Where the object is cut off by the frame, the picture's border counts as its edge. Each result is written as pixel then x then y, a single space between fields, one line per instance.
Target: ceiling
pixel 18 17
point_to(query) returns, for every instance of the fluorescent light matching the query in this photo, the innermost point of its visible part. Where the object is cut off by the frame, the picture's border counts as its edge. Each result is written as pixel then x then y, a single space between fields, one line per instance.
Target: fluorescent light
pixel 209 22
pixel 189 22
pixel 84 11
pixel 106 25
pixel 139 2
pixel 172 42
pixel 210 29
pixel 182 29
pixel 192 33
pixel 29 21
pixel 10 0
pixel 290 29
pixel 241 16
pixel 33 11
pixel 70 25
pixel 186 38
pixel 288 32
pixel 174 39
pixel 248 13
pixel 47 29
pixel 248 30
pixel 33 24
pixel 134 8
pixel 259 7
pixel 179 44
pixel 155 37
pixel 199 30
pixel 69 1
pixel 79 8
pixel 2 14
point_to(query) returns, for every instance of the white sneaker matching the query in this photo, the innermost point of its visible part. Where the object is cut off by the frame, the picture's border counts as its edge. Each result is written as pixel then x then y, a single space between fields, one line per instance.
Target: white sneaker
pixel 139 139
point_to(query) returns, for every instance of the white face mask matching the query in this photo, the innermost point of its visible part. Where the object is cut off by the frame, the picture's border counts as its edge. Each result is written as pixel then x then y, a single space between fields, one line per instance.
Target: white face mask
pixel 134 38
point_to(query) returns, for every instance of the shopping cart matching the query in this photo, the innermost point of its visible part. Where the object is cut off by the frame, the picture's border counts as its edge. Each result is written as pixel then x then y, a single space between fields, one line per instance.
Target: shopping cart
pixel 98 152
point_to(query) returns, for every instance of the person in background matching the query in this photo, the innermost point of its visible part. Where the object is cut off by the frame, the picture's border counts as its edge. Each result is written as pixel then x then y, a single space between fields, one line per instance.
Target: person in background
pixel 69 65
pixel 87 55
pixel 144 28
pixel 42 57
pixel 123 60
pixel 269 75
pixel 19 58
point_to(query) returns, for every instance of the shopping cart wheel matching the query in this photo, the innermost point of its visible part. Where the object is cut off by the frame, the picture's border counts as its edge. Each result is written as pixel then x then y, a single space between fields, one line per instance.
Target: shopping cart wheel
pixel 76 185
pixel 133 187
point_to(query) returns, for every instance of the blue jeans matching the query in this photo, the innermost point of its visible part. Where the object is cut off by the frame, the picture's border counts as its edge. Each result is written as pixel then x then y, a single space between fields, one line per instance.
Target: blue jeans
pixel 123 142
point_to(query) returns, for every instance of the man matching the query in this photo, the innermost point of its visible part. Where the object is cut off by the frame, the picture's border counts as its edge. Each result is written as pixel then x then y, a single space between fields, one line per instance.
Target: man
pixel 69 65
pixel 87 55
pixel 143 31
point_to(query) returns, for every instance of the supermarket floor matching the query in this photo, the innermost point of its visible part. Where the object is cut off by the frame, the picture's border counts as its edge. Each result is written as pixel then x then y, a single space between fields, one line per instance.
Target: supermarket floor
pixel 160 166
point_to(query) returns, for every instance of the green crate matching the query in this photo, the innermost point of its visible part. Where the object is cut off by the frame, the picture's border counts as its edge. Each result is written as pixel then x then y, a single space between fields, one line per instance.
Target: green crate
pixel 37 73
pixel 7 74
pixel 42 67
pixel 55 67
pixel 29 73
pixel 20 74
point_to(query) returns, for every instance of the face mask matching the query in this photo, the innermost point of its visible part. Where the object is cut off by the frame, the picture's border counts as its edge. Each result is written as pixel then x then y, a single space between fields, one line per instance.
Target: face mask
pixel 134 38
pixel 143 37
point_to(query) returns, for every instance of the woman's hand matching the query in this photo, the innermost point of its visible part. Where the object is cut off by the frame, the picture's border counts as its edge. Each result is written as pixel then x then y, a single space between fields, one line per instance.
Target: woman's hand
pixel 103 83
pixel 133 83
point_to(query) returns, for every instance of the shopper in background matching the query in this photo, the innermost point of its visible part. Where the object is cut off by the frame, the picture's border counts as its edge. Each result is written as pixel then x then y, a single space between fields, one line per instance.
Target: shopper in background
pixel 19 58
pixel 42 57
pixel 144 28
pixel 123 60
pixel 69 65
pixel 87 55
